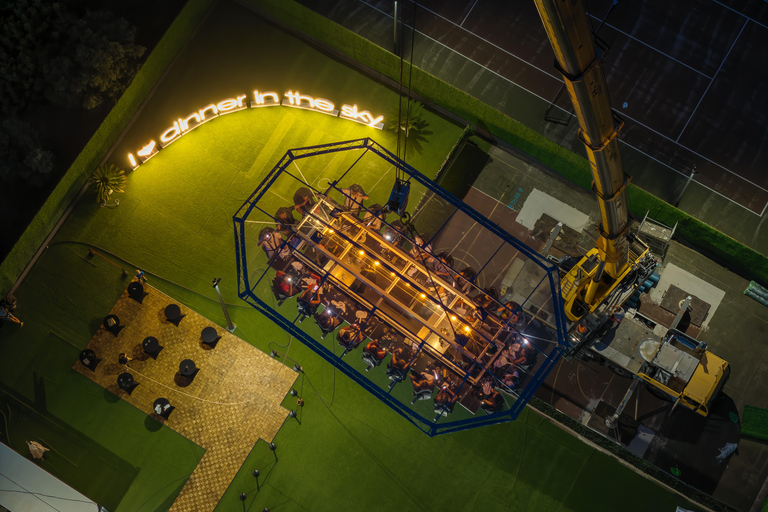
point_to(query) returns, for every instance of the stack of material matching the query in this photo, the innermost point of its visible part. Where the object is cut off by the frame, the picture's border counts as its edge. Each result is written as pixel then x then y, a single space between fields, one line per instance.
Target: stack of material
pixel 757 292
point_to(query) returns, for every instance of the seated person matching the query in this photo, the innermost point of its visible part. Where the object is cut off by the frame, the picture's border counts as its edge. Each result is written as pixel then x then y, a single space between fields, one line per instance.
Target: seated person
pixel 508 310
pixel 350 336
pixel 376 350
pixel 393 233
pixel 353 200
pixel 271 240
pixel 284 218
pixel 445 398
pixel 423 381
pixel 511 378
pixel 517 353
pixel 303 200
pixel 441 264
pixel 373 217
pixel 492 401
pixel 462 281
pixel 400 358
pixel 286 283
pixel 327 320
pixel 421 251
pixel 310 299
pixel 582 328
pixel 483 301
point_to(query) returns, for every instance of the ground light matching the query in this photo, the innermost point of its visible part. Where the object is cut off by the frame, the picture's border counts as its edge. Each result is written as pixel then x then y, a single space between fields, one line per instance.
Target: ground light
pixel 387 289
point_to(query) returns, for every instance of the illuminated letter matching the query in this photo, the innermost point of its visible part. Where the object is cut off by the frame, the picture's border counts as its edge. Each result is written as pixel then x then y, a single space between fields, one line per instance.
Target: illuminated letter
pixel 267 99
pixel 273 95
pixel 308 99
pixel 368 118
pixel 324 105
pixel 184 123
pixel 260 100
pixel 240 101
pixel 146 150
pixel 170 134
pixel 212 108
pixel 226 105
pixel 132 160
pixel 349 111
pixel 291 99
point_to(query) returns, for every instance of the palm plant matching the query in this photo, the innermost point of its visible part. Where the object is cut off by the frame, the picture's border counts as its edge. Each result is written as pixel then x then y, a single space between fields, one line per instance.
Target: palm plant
pixel 107 179
pixel 411 115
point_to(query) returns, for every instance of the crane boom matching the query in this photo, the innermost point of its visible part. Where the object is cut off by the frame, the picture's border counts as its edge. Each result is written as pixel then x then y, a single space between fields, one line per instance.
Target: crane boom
pixel 580 64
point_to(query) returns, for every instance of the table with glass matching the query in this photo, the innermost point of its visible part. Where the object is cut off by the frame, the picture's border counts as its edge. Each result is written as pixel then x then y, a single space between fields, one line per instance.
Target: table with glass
pixel 400 288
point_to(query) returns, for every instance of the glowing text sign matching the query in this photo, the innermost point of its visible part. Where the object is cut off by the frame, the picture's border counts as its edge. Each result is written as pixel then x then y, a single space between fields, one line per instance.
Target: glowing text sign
pixel 260 99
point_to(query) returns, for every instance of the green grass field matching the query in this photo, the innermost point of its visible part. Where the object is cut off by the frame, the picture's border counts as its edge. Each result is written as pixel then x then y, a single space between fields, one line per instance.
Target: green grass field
pixel 350 452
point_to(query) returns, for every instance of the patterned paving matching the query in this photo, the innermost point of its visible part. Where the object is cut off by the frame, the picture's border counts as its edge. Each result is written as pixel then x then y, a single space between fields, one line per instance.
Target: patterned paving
pixel 233 400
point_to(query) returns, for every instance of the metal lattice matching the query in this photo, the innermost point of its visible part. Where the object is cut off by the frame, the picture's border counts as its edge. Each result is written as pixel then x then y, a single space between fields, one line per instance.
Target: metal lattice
pixel 425 287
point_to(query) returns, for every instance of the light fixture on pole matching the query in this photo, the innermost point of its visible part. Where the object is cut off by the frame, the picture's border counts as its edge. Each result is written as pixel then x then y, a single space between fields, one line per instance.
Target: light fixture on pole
pixel 230 326
pixel 685 187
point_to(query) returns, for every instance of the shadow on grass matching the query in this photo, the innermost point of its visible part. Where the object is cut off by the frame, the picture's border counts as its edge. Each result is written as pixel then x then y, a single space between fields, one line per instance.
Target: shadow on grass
pixel 110 397
pixel 152 424
pixel 417 137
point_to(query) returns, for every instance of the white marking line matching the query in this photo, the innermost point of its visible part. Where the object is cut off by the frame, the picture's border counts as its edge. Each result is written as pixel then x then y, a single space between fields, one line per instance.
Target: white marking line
pixel 278 195
pixel 467 16
pixel 654 49
pixel 687 149
pixel 370 191
pixel 472 33
pixel 302 174
pixel 625 116
pixel 741 14
pixel 712 81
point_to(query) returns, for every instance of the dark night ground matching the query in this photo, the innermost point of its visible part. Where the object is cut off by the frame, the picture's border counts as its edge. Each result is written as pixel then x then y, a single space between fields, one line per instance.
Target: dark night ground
pixel 65 132
pixel 688 72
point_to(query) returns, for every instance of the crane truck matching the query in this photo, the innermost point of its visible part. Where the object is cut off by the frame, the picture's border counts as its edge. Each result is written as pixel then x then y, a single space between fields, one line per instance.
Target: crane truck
pixel 673 365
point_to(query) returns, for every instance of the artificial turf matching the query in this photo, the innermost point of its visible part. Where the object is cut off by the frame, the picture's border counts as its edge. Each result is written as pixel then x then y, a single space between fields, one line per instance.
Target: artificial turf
pixel 754 422
pixel 350 452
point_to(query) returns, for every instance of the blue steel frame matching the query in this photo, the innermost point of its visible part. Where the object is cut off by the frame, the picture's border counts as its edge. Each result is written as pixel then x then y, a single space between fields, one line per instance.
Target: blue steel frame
pixel 434 427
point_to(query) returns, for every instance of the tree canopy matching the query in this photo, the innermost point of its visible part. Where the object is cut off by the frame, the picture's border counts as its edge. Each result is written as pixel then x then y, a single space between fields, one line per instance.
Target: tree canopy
pixel 51 54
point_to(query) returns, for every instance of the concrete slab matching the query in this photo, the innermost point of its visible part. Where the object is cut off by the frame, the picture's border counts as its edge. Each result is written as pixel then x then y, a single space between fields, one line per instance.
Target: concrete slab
pixel 539 203
pixel 673 275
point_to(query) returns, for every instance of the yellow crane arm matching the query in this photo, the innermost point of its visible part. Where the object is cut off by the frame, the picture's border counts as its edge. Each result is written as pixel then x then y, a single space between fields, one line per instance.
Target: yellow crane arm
pixel 577 59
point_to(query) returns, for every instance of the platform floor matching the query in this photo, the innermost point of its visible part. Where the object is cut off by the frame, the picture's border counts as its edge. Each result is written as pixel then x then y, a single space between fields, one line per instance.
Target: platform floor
pixel 232 402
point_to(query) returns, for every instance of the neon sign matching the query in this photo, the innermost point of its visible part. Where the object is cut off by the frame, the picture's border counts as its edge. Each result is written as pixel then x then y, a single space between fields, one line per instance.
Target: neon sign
pixel 292 99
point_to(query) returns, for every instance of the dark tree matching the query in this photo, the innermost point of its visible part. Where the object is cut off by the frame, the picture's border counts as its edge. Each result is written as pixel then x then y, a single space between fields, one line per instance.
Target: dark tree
pixel 49 53
pixel 96 63
pixel 21 154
